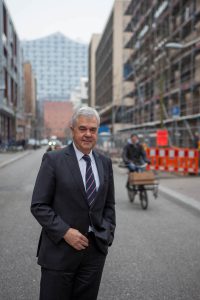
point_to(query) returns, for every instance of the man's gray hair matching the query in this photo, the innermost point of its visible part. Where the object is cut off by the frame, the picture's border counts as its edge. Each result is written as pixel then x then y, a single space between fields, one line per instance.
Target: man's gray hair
pixel 87 112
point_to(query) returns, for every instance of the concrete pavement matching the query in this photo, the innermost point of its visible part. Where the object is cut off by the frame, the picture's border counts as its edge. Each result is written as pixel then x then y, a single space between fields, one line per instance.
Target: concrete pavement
pixel 179 188
pixel 183 189
pixel 7 158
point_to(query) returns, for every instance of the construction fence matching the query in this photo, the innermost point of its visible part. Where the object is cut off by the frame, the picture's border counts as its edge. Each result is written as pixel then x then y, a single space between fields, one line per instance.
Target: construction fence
pixel 171 158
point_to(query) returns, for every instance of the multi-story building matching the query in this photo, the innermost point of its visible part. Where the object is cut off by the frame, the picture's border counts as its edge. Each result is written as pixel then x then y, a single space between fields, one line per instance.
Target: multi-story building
pixel 84 90
pixel 57 116
pixel 164 67
pixel 92 69
pixel 109 68
pixel 79 96
pixel 58 63
pixel 30 100
pixel 11 100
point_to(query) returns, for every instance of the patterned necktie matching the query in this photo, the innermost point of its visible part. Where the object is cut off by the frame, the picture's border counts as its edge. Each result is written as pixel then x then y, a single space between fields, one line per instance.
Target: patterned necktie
pixel 89 180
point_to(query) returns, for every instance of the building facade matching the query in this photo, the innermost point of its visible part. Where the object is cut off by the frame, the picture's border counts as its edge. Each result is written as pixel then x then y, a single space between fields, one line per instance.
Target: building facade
pixel 58 63
pixel 11 78
pixel 164 68
pixel 30 100
pixel 92 69
pixel 109 68
pixel 57 116
pixel 79 96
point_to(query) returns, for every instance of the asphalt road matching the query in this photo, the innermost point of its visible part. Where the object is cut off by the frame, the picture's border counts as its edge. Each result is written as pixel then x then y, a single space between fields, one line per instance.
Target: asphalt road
pixel 155 254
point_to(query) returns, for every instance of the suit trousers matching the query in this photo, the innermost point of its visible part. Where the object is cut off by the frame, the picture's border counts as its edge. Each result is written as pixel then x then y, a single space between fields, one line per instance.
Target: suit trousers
pixel 80 284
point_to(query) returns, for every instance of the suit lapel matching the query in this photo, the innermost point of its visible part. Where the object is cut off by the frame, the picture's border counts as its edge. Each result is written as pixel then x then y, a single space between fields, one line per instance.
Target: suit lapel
pixel 74 167
pixel 75 170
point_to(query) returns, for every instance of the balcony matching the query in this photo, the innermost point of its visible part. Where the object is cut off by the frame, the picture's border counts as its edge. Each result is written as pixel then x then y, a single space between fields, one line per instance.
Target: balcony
pixel 132 8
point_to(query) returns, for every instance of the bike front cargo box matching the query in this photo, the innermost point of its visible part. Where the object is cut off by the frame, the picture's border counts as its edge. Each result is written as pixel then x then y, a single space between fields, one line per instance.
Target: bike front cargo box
pixel 142 178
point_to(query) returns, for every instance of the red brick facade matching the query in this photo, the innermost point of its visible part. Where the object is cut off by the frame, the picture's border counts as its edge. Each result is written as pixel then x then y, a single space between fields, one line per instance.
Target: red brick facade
pixel 56 118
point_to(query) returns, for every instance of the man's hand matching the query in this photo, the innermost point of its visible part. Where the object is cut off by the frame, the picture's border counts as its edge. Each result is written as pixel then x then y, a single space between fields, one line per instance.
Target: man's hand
pixel 76 239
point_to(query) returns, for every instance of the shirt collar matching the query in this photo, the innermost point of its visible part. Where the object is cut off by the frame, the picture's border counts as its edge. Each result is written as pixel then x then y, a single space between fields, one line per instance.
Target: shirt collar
pixel 79 154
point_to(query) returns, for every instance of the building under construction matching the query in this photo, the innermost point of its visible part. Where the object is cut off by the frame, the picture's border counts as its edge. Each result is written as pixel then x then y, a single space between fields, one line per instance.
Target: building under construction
pixel 164 68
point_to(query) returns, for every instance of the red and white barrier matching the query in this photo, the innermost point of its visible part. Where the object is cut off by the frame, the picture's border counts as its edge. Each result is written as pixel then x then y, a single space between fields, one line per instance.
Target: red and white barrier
pixel 174 159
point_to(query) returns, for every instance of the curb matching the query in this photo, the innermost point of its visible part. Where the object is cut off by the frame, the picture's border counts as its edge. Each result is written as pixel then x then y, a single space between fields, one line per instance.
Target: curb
pixel 179 198
pixel 2 165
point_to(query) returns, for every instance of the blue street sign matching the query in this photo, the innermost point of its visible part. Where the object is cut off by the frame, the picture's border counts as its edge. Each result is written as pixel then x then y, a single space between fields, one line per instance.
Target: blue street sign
pixel 104 129
pixel 176 112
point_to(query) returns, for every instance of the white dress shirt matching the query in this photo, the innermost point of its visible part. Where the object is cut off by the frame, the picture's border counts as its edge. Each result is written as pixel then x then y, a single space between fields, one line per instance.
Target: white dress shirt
pixel 82 166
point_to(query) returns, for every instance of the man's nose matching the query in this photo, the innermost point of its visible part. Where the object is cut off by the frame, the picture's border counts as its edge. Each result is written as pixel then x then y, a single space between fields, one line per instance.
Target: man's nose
pixel 88 132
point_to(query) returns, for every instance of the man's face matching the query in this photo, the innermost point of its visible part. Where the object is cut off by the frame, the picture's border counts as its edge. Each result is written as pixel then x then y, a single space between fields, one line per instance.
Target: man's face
pixel 134 139
pixel 84 133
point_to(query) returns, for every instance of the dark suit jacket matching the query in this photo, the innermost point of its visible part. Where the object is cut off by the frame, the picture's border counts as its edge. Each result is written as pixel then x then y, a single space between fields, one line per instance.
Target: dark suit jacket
pixel 59 202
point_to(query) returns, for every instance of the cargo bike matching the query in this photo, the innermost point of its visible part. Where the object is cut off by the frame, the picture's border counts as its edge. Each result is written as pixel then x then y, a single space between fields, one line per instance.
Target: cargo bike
pixel 140 183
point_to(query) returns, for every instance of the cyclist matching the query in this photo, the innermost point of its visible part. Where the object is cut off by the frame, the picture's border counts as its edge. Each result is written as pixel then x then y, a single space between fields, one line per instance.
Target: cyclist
pixel 134 155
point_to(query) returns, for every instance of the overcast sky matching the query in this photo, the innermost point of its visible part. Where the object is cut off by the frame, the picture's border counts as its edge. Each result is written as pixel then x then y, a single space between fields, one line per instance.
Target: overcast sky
pixel 77 19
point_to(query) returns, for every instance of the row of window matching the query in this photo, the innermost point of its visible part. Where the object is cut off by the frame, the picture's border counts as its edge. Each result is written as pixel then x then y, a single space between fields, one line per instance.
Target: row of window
pixel 57 65
pixel 53 48
pixel 45 51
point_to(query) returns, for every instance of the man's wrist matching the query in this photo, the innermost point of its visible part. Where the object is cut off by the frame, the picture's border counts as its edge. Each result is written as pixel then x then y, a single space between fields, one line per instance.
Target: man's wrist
pixel 66 232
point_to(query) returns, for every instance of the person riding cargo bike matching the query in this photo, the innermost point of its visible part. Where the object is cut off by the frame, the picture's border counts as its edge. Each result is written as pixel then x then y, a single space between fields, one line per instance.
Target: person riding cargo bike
pixel 139 181
pixel 134 155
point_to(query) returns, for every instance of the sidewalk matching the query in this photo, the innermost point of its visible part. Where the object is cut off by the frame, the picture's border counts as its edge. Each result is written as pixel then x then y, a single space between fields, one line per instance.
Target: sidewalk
pixel 180 188
pixel 9 157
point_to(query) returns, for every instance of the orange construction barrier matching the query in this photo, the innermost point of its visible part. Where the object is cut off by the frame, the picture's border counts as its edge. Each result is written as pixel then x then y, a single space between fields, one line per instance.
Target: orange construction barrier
pixel 173 159
pixel 152 156
pixel 193 160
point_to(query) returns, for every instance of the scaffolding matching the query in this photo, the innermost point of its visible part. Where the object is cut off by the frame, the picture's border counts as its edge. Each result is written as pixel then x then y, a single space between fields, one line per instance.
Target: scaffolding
pixel 166 89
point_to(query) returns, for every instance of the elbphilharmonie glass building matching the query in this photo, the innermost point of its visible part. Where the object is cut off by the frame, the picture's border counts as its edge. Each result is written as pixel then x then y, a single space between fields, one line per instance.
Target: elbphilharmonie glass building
pixel 58 64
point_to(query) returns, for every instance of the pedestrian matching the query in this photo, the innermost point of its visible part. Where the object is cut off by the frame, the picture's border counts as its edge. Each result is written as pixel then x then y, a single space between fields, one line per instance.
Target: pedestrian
pixel 73 200
pixel 23 143
pixel 197 141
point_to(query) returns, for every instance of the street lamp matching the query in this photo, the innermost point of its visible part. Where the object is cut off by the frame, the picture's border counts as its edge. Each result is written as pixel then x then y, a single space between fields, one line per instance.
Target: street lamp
pixel 175 45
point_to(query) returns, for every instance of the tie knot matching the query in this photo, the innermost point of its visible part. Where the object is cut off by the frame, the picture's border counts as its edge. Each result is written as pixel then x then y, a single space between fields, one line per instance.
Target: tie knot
pixel 86 158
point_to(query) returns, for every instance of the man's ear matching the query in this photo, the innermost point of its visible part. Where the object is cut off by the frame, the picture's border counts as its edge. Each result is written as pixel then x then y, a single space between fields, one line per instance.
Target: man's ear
pixel 72 130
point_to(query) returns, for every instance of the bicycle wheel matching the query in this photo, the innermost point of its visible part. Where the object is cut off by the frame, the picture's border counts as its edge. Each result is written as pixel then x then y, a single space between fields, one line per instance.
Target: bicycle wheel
pixel 131 193
pixel 143 198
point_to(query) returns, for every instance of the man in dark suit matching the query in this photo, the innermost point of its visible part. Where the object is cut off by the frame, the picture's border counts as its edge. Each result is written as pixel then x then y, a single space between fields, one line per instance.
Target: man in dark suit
pixel 73 200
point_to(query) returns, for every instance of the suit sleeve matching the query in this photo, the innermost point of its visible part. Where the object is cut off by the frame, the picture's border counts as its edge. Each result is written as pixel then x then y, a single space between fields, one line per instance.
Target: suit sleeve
pixel 43 196
pixel 109 209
